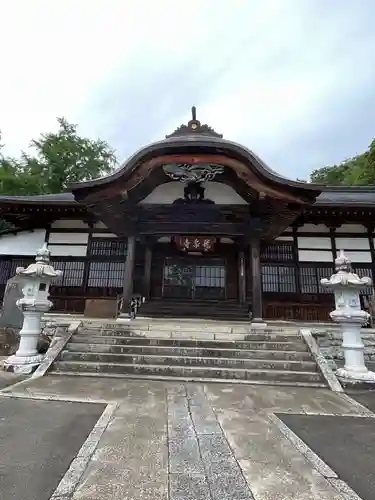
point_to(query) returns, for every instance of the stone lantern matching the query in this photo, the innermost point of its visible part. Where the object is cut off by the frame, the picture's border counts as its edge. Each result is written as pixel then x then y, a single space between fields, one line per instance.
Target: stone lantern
pixel 349 315
pixel 36 278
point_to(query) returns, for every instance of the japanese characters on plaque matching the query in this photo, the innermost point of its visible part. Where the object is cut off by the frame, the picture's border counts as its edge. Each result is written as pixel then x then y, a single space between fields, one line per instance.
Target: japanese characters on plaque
pixel 195 243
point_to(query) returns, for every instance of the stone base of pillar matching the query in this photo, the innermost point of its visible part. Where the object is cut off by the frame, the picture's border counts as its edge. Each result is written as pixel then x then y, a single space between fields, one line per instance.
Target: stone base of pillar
pixel 354 377
pixel 23 364
pixel 123 318
pixel 258 323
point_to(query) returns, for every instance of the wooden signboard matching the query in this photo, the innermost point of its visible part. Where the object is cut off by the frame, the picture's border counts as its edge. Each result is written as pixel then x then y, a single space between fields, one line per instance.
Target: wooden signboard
pixel 195 243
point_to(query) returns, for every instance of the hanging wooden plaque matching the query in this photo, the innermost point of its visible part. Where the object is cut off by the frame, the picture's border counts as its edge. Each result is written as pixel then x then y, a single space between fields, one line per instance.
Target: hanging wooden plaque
pixel 195 243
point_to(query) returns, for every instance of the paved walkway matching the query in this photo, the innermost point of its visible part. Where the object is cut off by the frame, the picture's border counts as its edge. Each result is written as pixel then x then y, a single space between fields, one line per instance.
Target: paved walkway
pixel 8 378
pixel 168 441
pixel 38 441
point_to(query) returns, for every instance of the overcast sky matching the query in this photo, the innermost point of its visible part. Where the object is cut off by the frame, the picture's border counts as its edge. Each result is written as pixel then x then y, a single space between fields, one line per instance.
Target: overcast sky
pixel 293 80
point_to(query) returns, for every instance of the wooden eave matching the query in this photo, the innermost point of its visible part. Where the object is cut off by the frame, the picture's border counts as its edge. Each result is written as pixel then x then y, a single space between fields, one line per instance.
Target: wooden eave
pixel 196 150
pixel 27 214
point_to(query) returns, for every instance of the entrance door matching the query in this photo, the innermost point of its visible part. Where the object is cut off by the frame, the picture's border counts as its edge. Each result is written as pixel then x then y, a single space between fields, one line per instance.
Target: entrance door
pixel 194 278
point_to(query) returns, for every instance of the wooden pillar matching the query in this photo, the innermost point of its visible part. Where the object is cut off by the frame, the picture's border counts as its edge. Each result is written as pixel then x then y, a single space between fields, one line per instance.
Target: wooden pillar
pixel 241 277
pixel 128 276
pixel 257 302
pixel 147 273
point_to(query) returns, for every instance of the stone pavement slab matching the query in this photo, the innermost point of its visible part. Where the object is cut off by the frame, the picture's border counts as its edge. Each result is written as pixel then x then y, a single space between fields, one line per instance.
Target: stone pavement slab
pixel 367 399
pixel 38 441
pixel 8 378
pixel 345 444
pixel 173 441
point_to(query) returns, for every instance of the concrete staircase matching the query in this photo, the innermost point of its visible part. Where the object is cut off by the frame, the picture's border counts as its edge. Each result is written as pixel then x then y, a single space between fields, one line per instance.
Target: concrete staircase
pixel 190 351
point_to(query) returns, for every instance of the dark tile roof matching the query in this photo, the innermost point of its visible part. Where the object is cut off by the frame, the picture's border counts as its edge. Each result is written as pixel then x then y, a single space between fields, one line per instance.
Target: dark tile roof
pixel 350 196
pixel 40 198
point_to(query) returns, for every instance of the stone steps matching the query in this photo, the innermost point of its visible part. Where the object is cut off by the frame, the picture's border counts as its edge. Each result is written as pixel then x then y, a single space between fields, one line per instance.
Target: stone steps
pixel 291 345
pixel 191 334
pixel 185 308
pixel 206 380
pixel 190 351
pixel 141 326
pixel 177 361
pixel 190 372
pixel 194 351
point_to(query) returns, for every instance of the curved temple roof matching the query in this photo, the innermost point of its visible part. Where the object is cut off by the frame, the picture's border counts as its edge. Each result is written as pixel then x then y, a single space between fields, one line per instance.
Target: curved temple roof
pixel 196 138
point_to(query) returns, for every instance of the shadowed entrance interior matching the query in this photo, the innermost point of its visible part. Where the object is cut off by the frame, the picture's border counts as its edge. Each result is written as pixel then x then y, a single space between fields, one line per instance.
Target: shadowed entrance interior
pixel 194 277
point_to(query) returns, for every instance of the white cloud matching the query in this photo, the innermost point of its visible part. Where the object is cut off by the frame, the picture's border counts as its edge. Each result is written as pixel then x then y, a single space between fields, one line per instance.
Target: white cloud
pixel 276 75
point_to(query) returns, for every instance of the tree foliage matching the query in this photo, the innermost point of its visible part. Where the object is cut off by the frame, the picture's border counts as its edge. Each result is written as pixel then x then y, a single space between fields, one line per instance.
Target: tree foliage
pixel 356 171
pixel 55 160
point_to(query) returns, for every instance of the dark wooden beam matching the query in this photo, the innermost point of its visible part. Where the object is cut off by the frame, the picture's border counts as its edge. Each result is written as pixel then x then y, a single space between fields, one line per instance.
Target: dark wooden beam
pixel 147 273
pixel 241 277
pixel 128 277
pixel 257 304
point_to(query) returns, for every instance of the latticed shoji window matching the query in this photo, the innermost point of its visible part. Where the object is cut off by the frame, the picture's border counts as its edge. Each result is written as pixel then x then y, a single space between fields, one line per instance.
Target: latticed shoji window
pixel 279 279
pixel 364 270
pixel 106 274
pixel 107 263
pixel 73 272
pixel 310 276
pixel 5 271
pixel 108 247
pixel 8 267
pixel 279 252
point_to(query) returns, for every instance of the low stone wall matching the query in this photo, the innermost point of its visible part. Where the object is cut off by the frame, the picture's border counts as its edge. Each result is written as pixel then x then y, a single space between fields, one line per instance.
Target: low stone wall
pixel 329 340
pixel 9 339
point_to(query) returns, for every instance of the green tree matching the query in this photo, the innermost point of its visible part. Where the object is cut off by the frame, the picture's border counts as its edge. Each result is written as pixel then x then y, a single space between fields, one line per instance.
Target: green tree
pixel 54 161
pixel 356 171
pixel 64 157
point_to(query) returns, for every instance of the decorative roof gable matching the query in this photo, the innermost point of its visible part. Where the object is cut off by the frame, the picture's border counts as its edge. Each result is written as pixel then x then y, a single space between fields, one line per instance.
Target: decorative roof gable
pixel 194 127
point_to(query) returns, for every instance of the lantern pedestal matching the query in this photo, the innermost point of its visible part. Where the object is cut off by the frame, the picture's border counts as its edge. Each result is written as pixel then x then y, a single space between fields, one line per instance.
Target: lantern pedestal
pixel 27 358
pixel 355 369
pixel 37 279
pixel 349 315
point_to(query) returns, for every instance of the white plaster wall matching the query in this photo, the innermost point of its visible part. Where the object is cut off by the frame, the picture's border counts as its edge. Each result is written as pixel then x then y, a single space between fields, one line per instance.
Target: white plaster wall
pixel 68 250
pixel 22 243
pixel 315 256
pixel 104 235
pixel 351 228
pixel 72 238
pixel 284 238
pixel 313 228
pixel 355 243
pixel 357 257
pixel 314 242
pixel 222 194
pixel 69 224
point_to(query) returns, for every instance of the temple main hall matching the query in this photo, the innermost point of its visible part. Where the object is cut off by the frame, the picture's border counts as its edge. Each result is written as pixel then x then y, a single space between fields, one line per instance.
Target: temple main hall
pixel 200 227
